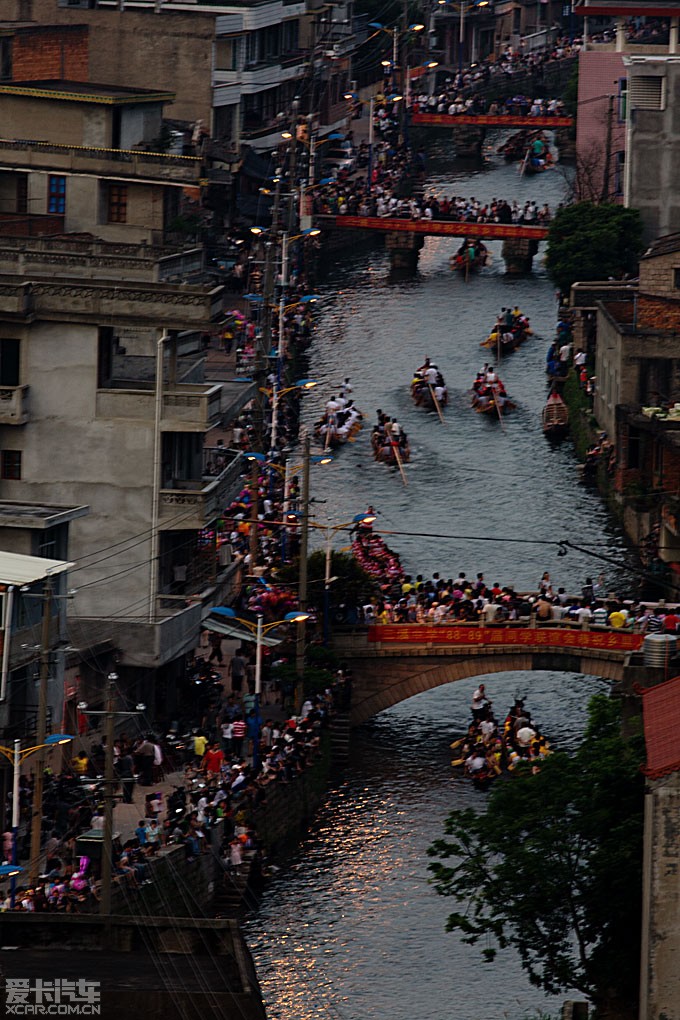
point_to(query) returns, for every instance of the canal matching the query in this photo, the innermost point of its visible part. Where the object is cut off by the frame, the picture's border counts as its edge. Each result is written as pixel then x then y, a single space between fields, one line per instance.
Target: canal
pixel 352 929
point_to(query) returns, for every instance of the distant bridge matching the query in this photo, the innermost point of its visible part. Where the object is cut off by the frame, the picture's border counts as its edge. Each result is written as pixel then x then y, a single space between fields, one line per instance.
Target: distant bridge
pixel 434 228
pixel 488 120
pixel 396 661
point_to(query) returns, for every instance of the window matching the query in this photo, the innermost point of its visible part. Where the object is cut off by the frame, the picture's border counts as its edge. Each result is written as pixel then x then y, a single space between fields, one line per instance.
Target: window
pixel 623 98
pixel 619 171
pixel 10 465
pixel 117 211
pixel 9 362
pixel 56 194
pixel 676 279
pixel 225 54
pixel 6 58
pixel 22 194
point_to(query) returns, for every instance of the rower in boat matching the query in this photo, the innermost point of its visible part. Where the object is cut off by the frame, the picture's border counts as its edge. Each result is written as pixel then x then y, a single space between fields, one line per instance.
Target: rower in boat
pixel 509 331
pixel 428 388
pixel 487 748
pixel 489 395
pixel 341 423
pixel 389 441
pixel 470 257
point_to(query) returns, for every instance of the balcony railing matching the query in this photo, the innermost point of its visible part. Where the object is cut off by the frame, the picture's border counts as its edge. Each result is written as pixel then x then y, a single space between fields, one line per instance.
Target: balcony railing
pixel 191 407
pixel 13 405
pixel 134 163
pixel 193 504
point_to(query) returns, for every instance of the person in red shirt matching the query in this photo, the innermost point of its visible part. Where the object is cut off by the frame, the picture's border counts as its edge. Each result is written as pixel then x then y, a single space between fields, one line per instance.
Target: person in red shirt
pixel 213 760
pixel 671 621
pixel 238 732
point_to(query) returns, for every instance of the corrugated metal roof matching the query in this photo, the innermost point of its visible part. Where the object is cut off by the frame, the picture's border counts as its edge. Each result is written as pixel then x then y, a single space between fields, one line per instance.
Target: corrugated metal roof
pixel 661 717
pixel 18 569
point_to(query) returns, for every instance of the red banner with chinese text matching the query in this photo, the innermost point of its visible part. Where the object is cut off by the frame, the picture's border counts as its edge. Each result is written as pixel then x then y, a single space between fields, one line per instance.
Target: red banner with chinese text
pixel 488 120
pixel 552 637
pixel 438 228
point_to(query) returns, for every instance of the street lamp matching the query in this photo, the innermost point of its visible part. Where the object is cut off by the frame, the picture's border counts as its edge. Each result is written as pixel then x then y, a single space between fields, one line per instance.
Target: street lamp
pixel 331 529
pixel 258 629
pixel 110 714
pixel 16 756
pixel 463 8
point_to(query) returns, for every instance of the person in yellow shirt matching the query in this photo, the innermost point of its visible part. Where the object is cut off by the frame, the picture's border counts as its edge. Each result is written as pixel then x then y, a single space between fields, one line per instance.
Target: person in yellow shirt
pixel 80 764
pixel 200 745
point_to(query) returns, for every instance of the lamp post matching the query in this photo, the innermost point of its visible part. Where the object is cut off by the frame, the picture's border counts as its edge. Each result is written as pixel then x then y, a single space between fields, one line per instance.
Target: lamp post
pixel 16 756
pixel 367 518
pixel 110 714
pixel 463 8
pixel 258 630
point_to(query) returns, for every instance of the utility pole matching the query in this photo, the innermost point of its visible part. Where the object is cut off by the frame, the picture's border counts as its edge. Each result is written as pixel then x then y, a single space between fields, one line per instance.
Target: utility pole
pixel 41 731
pixel 302 590
pixel 109 781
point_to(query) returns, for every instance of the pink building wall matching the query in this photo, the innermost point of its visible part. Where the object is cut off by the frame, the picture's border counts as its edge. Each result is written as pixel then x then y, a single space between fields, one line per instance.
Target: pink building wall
pixel 599 76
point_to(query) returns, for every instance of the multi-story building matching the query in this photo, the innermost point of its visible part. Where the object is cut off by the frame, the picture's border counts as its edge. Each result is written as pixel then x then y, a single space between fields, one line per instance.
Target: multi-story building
pixel 234 67
pixel 617 37
pixel 106 399
pixel 637 399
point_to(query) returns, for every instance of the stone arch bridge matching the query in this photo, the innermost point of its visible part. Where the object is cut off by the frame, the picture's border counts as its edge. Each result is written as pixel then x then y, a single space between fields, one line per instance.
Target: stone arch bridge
pixel 393 662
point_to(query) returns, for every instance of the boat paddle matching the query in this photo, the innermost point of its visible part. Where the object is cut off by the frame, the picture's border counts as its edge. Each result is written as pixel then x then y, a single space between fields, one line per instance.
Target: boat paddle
pixel 436 403
pixel 400 465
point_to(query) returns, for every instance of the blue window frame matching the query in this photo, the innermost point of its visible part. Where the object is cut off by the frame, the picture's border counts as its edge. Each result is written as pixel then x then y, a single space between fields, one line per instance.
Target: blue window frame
pixel 56 194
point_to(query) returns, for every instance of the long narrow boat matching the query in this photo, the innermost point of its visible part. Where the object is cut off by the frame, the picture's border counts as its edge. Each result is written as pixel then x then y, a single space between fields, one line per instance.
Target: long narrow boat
pixel 490 398
pixel 555 417
pixel 508 341
pixel 336 429
pixel 384 450
pixel 424 394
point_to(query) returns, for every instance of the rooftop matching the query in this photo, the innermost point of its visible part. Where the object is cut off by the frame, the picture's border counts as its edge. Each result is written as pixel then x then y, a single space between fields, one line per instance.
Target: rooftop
pixel 666 245
pixel 35 515
pixel 85 92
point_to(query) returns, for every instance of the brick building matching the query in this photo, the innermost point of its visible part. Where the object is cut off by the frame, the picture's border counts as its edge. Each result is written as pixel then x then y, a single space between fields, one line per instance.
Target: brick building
pixel 637 400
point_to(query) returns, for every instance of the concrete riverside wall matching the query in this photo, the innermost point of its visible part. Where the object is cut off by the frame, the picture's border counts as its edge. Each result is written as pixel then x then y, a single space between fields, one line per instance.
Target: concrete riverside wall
pixel 178 888
pixel 660 968
pixel 289 807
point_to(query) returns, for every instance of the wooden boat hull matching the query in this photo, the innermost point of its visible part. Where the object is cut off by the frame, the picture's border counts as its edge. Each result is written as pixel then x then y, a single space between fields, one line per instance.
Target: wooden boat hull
pixel 338 439
pixel 491 408
pixel 555 417
pixel 386 454
pixel 506 346
pixel 423 398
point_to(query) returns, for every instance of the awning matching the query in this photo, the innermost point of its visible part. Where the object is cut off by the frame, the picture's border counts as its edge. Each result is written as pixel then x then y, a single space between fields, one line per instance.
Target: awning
pixel 233 630
pixel 19 570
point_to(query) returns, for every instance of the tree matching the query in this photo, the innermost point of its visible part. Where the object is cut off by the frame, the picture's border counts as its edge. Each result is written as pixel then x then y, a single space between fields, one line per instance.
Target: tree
pixel 352 585
pixel 554 867
pixel 593 242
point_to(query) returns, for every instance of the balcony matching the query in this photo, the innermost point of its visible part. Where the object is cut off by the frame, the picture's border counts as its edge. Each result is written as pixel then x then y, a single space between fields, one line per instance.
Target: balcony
pixel 135 164
pixel 13 405
pixel 189 407
pixel 192 505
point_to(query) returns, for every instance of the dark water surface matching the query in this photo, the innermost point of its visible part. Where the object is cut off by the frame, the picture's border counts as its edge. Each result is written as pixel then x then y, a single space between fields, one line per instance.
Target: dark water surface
pixel 353 930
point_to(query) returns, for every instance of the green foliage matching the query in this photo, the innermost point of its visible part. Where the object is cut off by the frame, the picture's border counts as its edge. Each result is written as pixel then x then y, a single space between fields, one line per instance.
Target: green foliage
pixel 314 680
pixel 553 867
pixel 570 94
pixel 593 242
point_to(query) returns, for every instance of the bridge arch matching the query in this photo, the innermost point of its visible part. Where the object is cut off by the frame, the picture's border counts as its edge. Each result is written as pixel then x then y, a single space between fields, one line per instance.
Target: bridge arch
pixel 389 666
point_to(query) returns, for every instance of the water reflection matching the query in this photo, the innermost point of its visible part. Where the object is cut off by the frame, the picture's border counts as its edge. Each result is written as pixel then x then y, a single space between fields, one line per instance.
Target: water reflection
pixel 352 929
